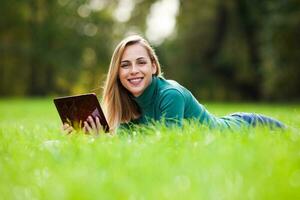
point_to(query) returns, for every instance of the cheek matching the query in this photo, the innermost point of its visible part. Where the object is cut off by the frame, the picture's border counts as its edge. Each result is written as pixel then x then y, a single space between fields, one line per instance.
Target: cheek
pixel 122 77
pixel 153 69
pixel 121 74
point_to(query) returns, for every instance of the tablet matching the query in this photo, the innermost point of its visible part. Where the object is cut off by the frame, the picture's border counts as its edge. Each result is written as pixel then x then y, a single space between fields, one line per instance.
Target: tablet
pixel 74 110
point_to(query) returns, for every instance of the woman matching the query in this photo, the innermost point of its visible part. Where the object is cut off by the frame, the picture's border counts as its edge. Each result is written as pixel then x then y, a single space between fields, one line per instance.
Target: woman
pixel 135 92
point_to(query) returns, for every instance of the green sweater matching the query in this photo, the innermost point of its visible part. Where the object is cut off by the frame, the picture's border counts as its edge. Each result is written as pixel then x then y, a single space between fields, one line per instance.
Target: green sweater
pixel 168 101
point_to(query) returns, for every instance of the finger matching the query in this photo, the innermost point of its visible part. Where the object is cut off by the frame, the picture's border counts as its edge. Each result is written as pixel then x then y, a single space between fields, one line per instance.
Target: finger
pixel 65 126
pixel 92 123
pixel 84 129
pixel 87 127
pixel 69 130
pixel 98 124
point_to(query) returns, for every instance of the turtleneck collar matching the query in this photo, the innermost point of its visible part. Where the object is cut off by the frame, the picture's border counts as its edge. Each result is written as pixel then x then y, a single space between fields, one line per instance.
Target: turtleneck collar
pixel 146 98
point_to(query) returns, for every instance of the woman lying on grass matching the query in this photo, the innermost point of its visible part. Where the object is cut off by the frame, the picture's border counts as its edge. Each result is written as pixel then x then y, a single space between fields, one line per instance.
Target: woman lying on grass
pixel 136 93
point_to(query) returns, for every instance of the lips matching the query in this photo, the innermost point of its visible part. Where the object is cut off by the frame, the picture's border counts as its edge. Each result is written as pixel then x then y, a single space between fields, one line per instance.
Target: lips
pixel 135 81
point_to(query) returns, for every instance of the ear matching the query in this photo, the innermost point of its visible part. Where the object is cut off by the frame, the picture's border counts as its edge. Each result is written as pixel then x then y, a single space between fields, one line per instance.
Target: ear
pixel 154 68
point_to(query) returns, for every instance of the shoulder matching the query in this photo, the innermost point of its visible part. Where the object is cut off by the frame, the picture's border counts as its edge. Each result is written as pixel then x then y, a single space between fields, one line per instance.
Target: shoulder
pixel 169 87
pixel 169 91
pixel 171 95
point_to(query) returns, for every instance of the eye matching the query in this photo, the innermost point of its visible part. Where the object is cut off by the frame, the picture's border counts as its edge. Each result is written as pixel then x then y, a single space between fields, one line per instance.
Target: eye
pixel 124 65
pixel 142 62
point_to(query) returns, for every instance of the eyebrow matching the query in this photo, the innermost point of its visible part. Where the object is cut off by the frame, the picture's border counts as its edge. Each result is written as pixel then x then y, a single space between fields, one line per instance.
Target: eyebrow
pixel 139 58
pixel 125 61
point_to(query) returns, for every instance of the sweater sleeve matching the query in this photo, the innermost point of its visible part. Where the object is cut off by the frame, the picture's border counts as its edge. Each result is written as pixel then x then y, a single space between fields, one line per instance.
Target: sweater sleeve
pixel 171 107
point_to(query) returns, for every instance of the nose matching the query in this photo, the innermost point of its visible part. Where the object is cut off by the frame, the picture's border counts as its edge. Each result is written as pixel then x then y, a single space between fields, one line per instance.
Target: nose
pixel 134 69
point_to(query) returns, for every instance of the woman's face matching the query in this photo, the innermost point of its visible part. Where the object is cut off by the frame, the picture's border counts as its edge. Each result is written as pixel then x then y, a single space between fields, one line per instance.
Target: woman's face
pixel 136 69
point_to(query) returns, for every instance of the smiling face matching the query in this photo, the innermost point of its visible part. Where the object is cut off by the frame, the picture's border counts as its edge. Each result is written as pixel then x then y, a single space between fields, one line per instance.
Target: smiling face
pixel 136 69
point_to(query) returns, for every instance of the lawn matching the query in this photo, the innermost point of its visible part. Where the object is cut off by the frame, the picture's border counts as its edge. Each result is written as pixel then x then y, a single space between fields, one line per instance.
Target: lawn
pixel 38 162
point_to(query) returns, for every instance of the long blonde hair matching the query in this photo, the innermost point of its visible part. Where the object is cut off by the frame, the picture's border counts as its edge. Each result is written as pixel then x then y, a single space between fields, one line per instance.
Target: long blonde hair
pixel 117 102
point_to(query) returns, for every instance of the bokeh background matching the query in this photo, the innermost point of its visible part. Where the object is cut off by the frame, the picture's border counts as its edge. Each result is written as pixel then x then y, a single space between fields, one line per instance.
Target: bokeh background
pixel 234 50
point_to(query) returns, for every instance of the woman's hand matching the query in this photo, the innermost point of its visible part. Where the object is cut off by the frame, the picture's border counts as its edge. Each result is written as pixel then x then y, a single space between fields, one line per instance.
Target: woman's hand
pixel 67 128
pixel 92 126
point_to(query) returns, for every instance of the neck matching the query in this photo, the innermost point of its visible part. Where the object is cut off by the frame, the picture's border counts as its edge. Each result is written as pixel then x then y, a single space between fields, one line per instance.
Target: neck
pixel 146 97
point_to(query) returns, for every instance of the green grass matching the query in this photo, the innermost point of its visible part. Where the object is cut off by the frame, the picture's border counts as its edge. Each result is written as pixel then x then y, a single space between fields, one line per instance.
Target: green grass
pixel 38 162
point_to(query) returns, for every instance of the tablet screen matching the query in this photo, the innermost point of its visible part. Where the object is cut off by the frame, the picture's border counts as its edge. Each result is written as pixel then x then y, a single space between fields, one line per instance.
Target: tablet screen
pixel 75 110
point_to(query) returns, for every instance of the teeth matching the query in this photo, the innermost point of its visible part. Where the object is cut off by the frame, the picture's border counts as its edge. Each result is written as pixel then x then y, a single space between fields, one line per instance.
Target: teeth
pixel 135 80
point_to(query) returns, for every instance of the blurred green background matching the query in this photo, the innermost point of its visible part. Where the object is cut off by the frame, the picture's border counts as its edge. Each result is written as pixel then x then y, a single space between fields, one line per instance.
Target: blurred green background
pixel 221 50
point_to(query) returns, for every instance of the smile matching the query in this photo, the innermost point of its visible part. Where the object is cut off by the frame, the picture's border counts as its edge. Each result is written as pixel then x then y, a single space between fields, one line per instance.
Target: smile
pixel 136 81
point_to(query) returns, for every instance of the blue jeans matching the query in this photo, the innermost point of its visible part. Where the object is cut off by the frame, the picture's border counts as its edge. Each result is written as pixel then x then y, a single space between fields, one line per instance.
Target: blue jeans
pixel 254 119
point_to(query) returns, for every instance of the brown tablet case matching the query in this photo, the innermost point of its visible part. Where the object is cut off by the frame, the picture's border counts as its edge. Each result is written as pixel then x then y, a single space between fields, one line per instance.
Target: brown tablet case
pixel 76 109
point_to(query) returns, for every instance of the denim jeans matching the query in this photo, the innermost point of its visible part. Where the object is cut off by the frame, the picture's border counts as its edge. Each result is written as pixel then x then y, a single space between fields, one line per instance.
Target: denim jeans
pixel 254 119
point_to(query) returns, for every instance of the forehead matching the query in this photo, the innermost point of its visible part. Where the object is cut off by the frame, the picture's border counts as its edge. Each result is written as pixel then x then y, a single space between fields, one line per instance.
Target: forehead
pixel 134 51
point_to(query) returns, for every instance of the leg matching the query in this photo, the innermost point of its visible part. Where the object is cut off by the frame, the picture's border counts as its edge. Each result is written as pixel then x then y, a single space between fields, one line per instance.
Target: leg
pixel 259 119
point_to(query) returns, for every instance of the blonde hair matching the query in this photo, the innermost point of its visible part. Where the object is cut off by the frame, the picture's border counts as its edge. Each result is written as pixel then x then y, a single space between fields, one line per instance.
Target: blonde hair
pixel 118 105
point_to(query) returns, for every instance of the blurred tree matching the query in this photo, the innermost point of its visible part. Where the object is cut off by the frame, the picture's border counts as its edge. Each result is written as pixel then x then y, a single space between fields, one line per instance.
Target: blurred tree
pixel 281 50
pixel 221 50
pixel 54 46
pixel 236 49
pixel 13 47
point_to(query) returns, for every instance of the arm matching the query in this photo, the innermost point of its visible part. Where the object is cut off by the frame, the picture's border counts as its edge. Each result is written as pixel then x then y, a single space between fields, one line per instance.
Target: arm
pixel 171 106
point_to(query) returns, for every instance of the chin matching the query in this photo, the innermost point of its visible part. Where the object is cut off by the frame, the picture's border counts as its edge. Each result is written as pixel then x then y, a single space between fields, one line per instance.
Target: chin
pixel 135 90
pixel 136 93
